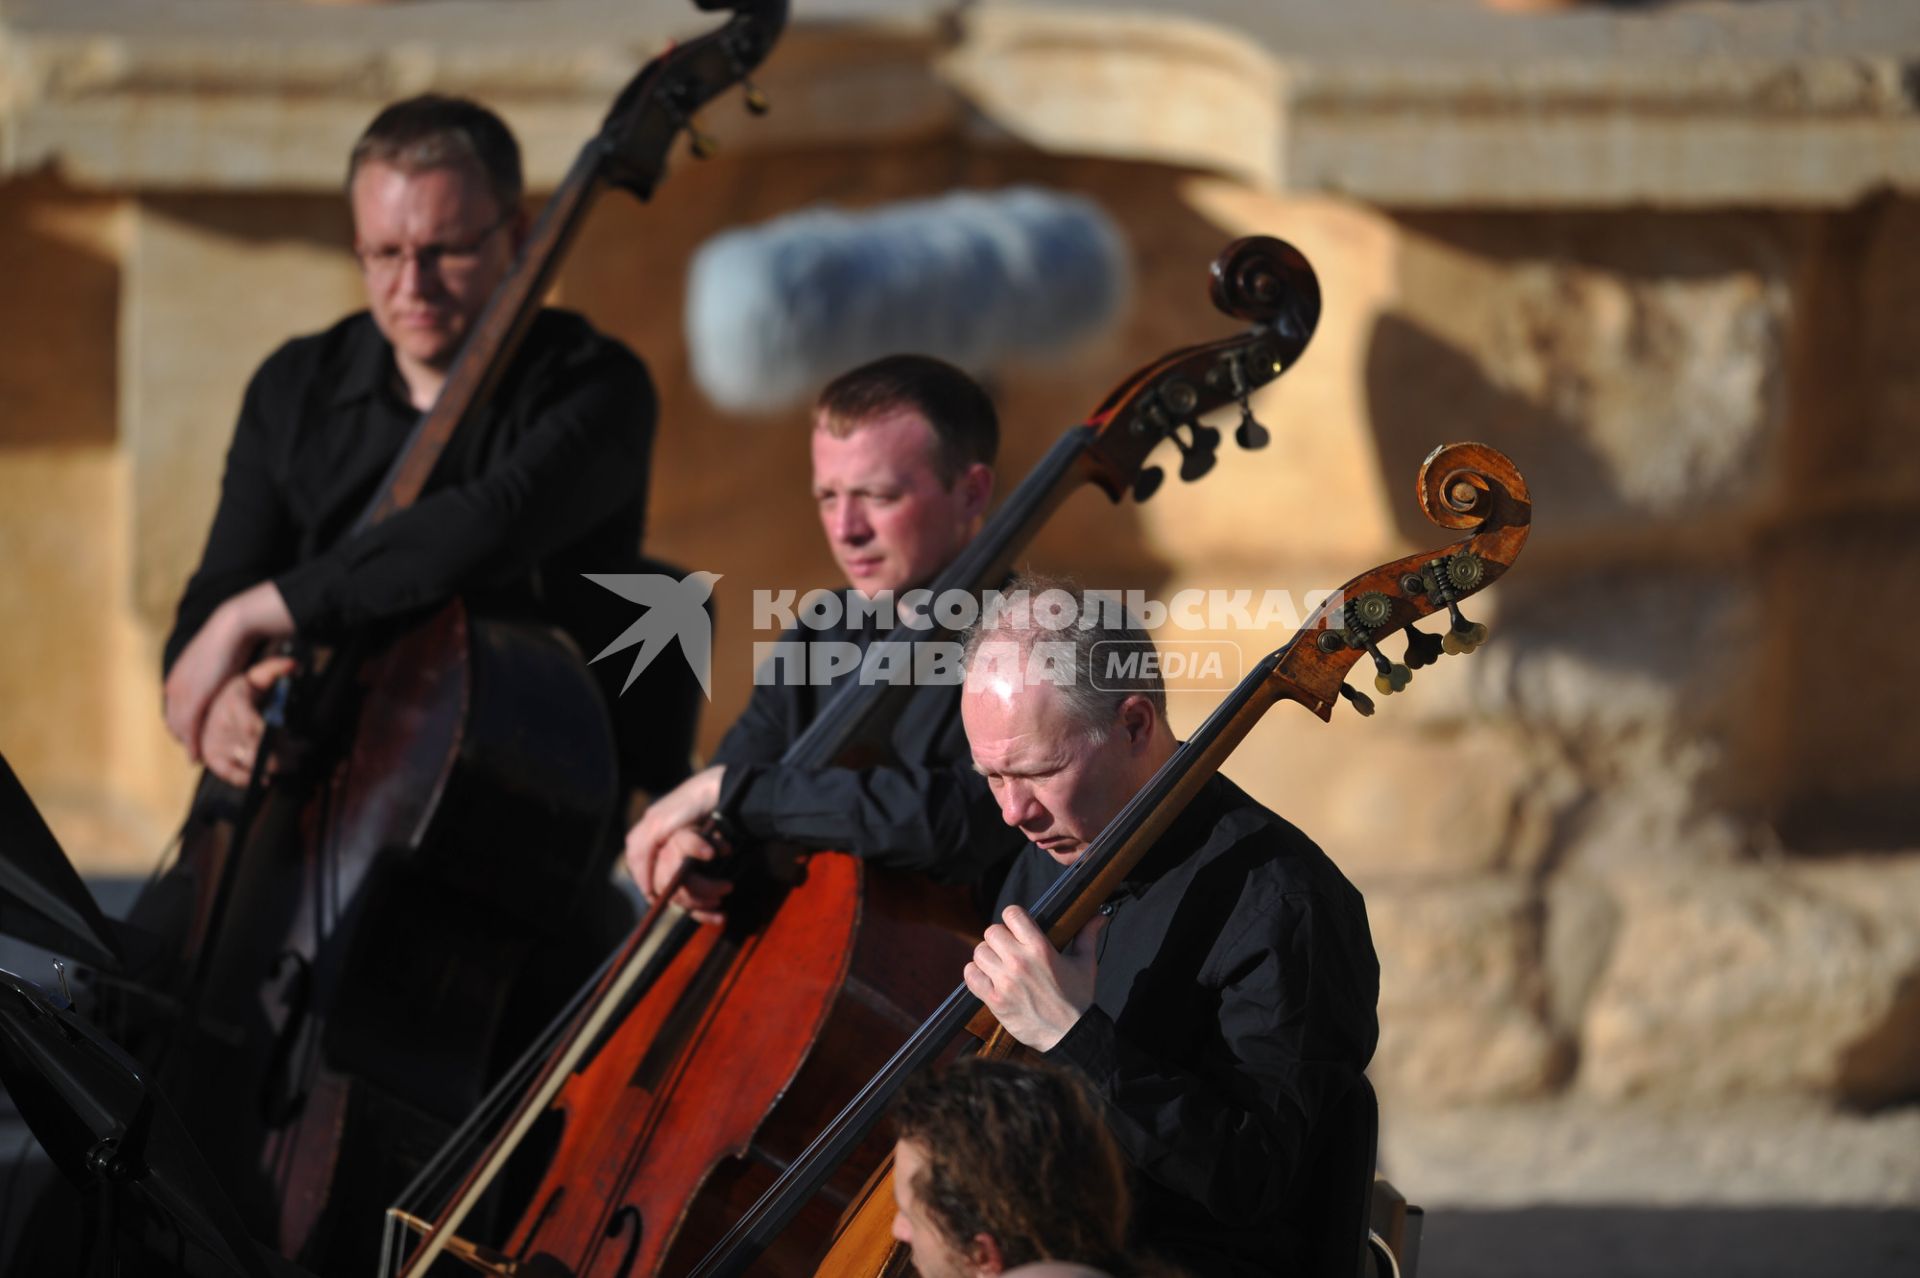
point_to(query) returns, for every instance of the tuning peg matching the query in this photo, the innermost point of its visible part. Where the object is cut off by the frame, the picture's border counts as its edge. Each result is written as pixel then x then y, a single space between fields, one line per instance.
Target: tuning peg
pixel 1359 700
pixel 1392 680
pixel 1148 482
pixel 1250 434
pixel 1423 649
pixel 1464 643
pixel 704 145
pixel 1465 636
pixel 1392 676
pixel 1197 458
pixel 756 100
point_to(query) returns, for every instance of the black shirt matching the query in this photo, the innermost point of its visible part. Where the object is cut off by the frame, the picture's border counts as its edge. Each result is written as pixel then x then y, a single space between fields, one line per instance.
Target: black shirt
pixel 927 810
pixel 1233 1001
pixel 544 482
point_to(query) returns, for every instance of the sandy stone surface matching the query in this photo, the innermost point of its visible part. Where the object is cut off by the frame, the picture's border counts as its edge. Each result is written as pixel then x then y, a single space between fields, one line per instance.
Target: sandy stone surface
pixel 1677 104
pixel 1798 977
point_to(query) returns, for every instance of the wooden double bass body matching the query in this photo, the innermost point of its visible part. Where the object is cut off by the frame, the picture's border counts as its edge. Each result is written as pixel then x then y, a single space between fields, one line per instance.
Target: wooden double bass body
pixel 711 1057
pixel 358 988
pixel 840 960
pixel 378 931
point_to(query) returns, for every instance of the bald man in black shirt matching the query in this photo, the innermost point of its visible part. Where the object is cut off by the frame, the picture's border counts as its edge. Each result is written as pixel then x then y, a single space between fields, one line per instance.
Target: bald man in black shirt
pixel 1221 1002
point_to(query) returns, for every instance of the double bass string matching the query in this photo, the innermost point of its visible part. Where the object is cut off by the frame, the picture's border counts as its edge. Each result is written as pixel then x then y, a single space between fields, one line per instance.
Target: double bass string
pixel 560 1050
pixel 436 1173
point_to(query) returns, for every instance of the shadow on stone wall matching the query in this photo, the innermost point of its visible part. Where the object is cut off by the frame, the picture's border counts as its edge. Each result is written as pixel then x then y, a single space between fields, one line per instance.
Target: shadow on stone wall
pixel 1836 765
pixel 1882 1067
pixel 255 222
pixel 1422 389
pixel 58 375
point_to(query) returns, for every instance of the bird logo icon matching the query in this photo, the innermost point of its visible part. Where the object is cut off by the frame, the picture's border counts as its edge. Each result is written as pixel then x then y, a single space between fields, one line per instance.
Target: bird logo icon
pixel 674 609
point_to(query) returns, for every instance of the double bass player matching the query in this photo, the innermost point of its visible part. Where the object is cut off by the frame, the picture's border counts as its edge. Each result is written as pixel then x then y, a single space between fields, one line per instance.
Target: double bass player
pixel 549 483
pixel 545 480
pixel 1224 997
pixel 903 451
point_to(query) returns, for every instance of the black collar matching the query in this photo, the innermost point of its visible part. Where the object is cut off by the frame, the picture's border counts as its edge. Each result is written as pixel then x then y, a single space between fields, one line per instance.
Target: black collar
pixel 367 368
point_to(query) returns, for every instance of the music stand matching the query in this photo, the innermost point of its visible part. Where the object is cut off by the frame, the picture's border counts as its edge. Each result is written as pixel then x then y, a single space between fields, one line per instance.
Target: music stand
pixel 112 1135
pixel 42 898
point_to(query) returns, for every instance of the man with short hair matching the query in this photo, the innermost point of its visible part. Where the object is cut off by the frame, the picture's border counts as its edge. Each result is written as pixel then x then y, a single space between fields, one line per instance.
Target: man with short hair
pixel 998 1164
pixel 547 481
pixel 1223 998
pixel 903 452
pixel 544 481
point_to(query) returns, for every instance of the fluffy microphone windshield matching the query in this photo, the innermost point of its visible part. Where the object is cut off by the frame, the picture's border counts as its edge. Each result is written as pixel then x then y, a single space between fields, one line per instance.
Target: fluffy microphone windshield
pixel 776 311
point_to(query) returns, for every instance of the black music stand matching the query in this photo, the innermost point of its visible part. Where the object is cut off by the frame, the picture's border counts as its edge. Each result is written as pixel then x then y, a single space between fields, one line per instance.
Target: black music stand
pixel 86 1101
pixel 110 1133
pixel 42 899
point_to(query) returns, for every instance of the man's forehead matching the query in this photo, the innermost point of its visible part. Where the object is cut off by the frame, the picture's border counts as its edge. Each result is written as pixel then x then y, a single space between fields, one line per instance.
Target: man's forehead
pixel 464 169
pixel 996 676
pixel 895 439
pixel 1000 699
pixel 459 189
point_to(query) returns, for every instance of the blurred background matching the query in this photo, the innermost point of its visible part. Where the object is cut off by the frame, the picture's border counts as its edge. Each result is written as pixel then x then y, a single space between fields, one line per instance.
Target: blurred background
pixel 1644 872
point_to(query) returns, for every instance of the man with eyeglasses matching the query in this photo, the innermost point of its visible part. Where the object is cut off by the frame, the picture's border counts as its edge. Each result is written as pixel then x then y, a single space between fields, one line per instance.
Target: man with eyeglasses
pixel 543 482
pixel 547 481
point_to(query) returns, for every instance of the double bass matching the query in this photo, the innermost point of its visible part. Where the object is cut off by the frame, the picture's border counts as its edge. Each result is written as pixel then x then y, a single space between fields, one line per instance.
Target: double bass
pixel 442 810
pixel 707 1057
pixel 1466 487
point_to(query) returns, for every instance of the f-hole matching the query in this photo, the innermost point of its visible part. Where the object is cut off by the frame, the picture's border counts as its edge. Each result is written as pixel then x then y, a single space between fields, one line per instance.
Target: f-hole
pixel 615 1226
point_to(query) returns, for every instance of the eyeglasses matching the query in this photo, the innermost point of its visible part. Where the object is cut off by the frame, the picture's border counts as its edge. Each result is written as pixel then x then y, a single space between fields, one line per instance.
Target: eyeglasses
pixel 448 260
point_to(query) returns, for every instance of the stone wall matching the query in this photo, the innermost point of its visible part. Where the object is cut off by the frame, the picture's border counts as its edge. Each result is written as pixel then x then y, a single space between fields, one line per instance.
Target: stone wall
pixel 77 686
pixel 1658 837
pixel 1587 848
pixel 1710 751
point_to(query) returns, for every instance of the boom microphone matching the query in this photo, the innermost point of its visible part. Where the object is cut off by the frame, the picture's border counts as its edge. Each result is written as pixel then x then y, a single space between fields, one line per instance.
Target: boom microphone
pixel 777 310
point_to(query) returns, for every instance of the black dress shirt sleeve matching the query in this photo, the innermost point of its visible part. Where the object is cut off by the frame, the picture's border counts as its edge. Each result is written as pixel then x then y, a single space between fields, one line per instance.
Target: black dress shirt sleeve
pixel 584 457
pixel 934 816
pixel 1230 1141
pixel 938 820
